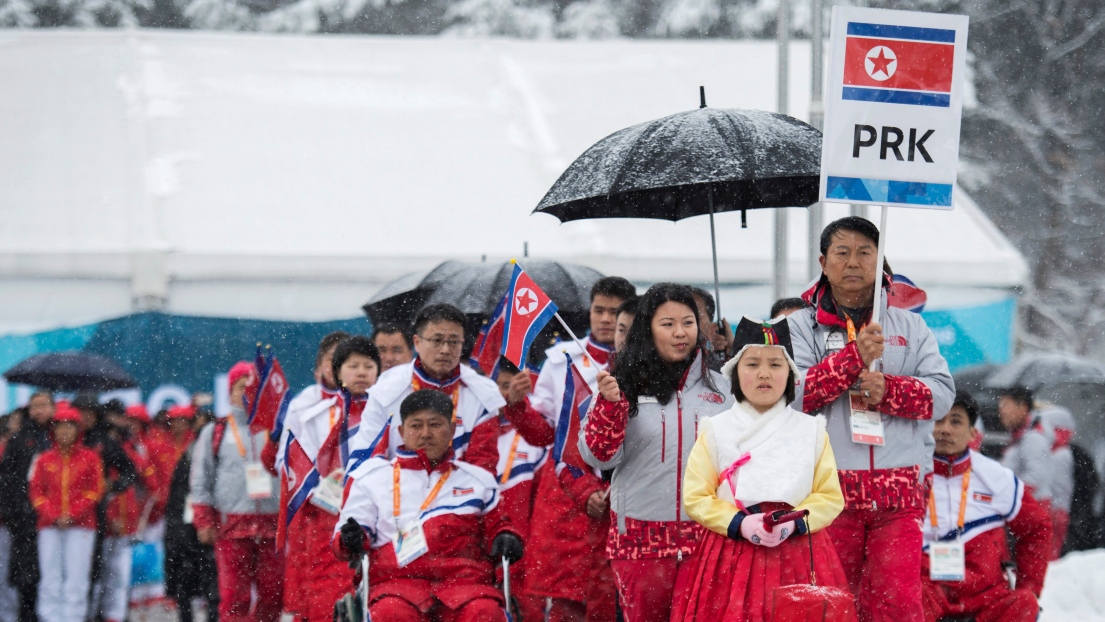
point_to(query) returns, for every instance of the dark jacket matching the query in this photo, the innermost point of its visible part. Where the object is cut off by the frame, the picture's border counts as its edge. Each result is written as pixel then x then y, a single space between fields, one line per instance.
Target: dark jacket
pixel 189 565
pixel 16 511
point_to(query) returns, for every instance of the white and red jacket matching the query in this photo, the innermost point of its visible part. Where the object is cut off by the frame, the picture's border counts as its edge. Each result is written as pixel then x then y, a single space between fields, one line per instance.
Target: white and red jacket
pixel 459 523
pixel 996 499
pixel 476 398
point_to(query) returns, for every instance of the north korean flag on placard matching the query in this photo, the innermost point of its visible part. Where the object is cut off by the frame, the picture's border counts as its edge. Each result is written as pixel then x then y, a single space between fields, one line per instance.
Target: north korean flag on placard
pixel 485 353
pixel 899 64
pixel 904 294
pixel 267 395
pixel 528 312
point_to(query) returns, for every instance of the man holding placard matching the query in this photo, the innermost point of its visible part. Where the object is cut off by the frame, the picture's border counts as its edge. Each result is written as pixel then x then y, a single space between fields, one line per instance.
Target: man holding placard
pixel 879 386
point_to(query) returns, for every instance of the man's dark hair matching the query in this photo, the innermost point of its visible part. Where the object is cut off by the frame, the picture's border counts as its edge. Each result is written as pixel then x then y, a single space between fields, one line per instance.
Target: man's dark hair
pixel 438 313
pixel 388 328
pixel 735 387
pixel 707 301
pixel 613 286
pixel 967 403
pixel 1019 394
pixel 506 366
pixel 115 407
pixel 629 305
pixel 88 402
pixel 357 344
pixel 327 342
pixel 786 304
pixel 862 226
pixel 426 399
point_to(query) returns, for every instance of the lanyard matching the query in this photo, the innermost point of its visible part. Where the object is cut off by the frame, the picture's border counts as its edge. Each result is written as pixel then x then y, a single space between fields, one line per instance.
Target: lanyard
pixel 851 328
pixel 233 425
pixel 962 506
pixel 395 492
pixel 510 458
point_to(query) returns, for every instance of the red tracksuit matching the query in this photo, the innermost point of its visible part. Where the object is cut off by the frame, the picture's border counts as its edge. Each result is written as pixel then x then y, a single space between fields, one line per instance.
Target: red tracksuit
pixel 67 484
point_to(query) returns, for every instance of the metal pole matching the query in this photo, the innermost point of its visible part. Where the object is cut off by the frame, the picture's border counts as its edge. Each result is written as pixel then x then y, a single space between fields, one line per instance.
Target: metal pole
pixel 876 308
pixel 859 210
pixel 713 247
pixel 783 38
pixel 817 119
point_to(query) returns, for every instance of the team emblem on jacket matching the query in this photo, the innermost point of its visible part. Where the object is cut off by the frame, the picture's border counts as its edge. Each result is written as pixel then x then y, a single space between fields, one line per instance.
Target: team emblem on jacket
pixel 712 398
pixel 983 498
pixel 897 340
pixel 460 492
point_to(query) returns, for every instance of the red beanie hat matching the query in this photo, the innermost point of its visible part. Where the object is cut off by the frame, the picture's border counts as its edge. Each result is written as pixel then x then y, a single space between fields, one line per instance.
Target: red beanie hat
pixel 239 370
pixel 178 412
pixel 64 412
pixel 139 412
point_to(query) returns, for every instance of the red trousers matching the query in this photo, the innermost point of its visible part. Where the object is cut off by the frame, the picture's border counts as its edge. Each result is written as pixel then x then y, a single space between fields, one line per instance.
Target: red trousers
pixel 997 604
pixel 1060 523
pixel 646 587
pixel 393 609
pixel 880 551
pixel 245 563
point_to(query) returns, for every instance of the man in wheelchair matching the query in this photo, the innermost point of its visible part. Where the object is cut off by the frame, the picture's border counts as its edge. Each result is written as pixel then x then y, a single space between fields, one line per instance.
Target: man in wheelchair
pixel 973 501
pixel 425 521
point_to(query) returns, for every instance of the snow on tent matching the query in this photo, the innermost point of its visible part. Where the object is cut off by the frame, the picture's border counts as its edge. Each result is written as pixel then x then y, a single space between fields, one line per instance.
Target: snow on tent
pixel 289 177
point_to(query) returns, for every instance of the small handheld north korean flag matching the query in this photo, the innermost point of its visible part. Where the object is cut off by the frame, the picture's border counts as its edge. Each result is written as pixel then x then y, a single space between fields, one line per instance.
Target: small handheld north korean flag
pixel 530 309
pixel 899 64
pixel 267 395
pixel 904 294
pixel 485 353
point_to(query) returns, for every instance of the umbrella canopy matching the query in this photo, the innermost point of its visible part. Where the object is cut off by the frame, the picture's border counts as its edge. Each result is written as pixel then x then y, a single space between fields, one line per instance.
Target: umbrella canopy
pixel 1037 370
pixel 71 371
pixel 673 168
pixel 475 289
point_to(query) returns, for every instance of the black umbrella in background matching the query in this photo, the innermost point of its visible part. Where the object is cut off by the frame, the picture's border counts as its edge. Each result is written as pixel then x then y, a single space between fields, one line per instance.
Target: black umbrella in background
pixel 475 289
pixel 691 164
pixel 71 371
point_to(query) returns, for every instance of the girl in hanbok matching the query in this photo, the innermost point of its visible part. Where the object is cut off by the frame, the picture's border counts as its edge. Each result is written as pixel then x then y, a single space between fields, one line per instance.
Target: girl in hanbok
pixel 753 464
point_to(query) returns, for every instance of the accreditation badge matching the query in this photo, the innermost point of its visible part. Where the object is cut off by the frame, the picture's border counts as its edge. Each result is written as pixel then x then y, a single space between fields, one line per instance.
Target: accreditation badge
pixel 258 482
pixel 947 561
pixel 867 427
pixel 410 544
pixel 834 342
pixel 327 495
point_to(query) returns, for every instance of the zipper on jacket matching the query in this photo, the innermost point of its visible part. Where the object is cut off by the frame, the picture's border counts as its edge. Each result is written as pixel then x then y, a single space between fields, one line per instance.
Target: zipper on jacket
pixel 663 435
pixel 871 452
pixel 696 424
pixel 679 459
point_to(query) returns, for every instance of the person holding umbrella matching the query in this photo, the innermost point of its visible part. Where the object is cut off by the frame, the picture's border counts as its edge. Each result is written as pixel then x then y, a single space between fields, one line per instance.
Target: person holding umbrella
pixel 642 425
pixel 880 418
pixel 17 514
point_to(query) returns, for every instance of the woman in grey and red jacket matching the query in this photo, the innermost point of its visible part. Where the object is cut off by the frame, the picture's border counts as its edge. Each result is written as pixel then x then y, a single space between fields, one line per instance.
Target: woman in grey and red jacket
pixel 643 425
pixel 879 422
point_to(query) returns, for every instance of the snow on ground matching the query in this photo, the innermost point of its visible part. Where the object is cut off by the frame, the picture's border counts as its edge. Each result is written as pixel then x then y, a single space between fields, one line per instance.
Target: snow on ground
pixel 1075 588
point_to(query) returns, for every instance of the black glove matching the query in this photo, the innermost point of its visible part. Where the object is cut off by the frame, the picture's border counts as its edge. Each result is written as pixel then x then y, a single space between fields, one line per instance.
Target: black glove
pixel 506 545
pixel 352 538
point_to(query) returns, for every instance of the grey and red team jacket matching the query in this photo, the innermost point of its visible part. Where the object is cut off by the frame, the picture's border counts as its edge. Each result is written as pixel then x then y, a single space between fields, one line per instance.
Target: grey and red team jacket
pixel 649 454
pixel 919 390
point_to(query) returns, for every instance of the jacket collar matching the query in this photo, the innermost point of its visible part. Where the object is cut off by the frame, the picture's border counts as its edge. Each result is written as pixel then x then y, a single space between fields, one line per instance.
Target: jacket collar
pixel 599 352
pixel 951 466
pixel 827 312
pixel 425 381
pixel 417 460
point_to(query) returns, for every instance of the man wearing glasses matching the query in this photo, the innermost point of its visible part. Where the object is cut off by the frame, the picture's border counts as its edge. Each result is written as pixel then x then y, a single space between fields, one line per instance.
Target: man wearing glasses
pixel 438 340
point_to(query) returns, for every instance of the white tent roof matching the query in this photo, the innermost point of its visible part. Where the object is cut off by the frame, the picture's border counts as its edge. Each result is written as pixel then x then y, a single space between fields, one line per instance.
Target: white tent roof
pixel 290 176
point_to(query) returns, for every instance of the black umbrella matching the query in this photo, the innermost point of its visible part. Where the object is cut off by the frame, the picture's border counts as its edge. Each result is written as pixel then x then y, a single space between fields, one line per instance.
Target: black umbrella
pixel 475 289
pixel 690 164
pixel 71 371
pixel 1039 369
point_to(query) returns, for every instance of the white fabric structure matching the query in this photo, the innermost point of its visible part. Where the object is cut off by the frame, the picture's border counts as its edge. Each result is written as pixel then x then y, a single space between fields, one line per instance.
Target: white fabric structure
pixel 288 177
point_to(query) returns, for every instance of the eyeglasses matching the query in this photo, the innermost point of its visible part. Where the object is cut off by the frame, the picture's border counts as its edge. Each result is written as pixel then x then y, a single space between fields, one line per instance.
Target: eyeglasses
pixel 439 343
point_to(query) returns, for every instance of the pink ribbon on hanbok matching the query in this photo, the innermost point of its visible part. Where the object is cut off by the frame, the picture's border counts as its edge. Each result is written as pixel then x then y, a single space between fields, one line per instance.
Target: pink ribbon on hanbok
pixel 729 475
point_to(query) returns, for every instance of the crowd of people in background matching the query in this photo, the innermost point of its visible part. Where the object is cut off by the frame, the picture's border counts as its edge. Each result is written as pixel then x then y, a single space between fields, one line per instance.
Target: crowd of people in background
pixel 703 466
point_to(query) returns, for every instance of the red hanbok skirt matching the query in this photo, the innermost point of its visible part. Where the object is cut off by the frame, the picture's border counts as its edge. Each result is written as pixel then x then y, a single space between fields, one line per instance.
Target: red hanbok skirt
pixel 730 580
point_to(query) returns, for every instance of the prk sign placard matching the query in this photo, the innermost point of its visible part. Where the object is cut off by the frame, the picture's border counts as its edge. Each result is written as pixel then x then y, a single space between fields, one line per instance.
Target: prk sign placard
pixel 893 105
